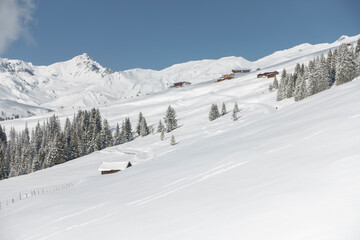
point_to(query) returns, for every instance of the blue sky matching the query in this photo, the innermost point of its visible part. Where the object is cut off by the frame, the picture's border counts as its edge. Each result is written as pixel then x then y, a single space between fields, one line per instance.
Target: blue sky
pixel 156 34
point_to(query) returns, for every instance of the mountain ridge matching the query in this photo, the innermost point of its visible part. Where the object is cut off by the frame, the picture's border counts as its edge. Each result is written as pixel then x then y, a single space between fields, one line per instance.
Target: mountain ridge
pixel 83 82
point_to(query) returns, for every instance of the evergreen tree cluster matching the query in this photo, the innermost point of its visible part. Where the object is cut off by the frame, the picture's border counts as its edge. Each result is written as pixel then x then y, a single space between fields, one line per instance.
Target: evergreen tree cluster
pixel 48 145
pixel 214 111
pixel 339 66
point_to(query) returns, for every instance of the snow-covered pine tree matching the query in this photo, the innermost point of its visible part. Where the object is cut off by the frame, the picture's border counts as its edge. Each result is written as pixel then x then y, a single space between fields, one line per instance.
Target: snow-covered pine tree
pixel 68 148
pixel 139 123
pixel 300 89
pixel 323 74
pixel 330 62
pixel 234 112
pixel 214 112
pixel 357 48
pixel 223 109
pixel 56 153
pixel 275 83
pixel 117 135
pixel 3 138
pixel 127 132
pixel 172 141
pixel 281 93
pixel 4 164
pixel 312 84
pixel 345 67
pixel 144 130
pixel 170 119
pixel 290 85
pixel 358 66
pixel 106 136
pixel 271 87
pixel 162 135
pixel 160 127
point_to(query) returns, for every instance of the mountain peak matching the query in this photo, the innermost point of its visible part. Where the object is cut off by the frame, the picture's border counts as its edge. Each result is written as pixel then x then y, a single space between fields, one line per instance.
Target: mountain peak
pixel 83 57
pixel 343 37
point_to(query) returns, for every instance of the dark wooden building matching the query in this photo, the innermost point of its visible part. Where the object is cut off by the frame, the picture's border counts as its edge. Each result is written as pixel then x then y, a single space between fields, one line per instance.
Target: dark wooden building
pixel 244 70
pixel 180 84
pixel 113 167
pixel 267 74
pixel 228 76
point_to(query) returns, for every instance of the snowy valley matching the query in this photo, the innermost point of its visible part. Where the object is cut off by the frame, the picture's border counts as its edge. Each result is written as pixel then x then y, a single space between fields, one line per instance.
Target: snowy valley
pixel 282 170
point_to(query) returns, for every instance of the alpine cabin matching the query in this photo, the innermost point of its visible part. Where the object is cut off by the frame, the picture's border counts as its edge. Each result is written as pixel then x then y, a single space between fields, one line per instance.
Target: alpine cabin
pixel 267 74
pixel 113 167
pixel 241 70
pixel 180 84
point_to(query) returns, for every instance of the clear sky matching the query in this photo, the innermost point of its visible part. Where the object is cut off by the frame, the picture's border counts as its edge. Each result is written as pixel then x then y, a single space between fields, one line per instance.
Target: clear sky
pixel 155 34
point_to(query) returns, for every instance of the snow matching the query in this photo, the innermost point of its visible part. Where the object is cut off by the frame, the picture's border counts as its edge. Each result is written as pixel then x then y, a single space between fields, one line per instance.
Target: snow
pixel 82 82
pixel 108 166
pixel 283 170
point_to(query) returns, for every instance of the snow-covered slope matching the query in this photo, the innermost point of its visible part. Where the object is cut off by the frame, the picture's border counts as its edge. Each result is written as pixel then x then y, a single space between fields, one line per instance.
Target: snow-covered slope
pixel 282 171
pixel 82 82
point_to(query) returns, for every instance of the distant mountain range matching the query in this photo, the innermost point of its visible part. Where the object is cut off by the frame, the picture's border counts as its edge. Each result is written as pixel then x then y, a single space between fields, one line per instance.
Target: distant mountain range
pixel 82 82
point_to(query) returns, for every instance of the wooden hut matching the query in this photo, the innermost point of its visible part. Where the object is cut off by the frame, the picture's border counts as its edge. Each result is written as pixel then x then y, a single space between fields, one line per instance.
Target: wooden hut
pixel 113 167
pixel 180 84
pixel 228 76
pixel 268 74
pixel 241 70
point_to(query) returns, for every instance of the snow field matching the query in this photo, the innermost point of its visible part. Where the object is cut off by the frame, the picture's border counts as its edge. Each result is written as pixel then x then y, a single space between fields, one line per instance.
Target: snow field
pixel 283 170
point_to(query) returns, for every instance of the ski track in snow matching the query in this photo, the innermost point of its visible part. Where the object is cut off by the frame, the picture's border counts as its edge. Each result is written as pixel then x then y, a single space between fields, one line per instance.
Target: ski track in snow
pixel 186 182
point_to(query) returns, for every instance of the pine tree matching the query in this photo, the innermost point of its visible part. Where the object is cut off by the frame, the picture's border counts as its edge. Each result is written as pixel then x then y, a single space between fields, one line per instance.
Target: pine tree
pixel 281 93
pixel 300 89
pixel 312 84
pixel 162 135
pixel 357 48
pixel 144 130
pixel 275 83
pixel 172 142
pixel 271 87
pixel 106 136
pixel 234 112
pixel 3 138
pixel 170 119
pixel 223 109
pixel 323 74
pixel 139 123
pixel 160 127
pixel 214 112
pixel 345 67
pixel 330 62
pixel 117 135
pixel 126 131
pixel 290 85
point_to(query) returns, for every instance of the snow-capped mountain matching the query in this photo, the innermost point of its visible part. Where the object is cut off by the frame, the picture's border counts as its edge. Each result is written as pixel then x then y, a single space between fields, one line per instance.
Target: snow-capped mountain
pixel 83 82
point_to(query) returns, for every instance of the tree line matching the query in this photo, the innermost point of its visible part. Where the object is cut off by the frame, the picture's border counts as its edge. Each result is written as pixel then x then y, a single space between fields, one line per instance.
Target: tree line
pixel 339 66
pixel 49 144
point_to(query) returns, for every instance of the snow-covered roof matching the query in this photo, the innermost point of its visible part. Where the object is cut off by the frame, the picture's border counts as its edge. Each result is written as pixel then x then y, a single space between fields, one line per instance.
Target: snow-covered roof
pixel 107 166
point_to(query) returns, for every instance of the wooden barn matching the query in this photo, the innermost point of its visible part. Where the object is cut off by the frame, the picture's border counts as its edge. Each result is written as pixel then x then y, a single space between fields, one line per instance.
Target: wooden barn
pixel 241 70
pixel 228 76
pixel 113 167
pixel 180 84
pixel 268 74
